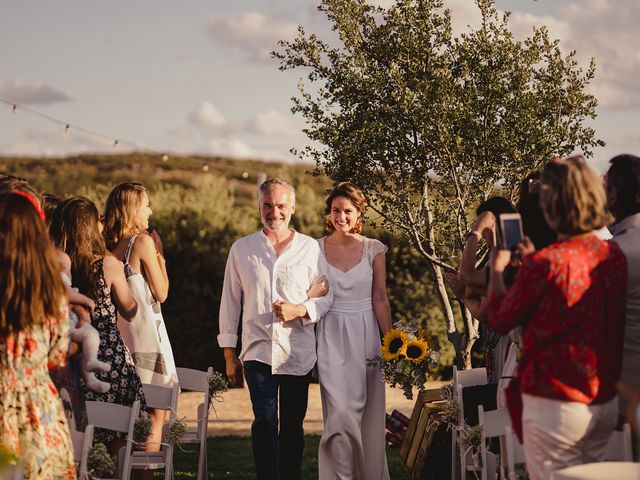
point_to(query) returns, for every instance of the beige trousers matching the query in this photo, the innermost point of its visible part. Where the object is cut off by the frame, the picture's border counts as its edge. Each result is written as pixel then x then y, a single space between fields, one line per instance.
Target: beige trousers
pixel 566 433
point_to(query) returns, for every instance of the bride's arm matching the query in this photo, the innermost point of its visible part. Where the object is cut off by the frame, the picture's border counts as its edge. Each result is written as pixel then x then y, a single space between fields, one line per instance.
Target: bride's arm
pixel 381 305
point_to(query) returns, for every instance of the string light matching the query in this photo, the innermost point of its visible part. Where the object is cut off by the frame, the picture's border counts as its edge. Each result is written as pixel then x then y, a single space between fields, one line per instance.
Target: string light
pixel 68 126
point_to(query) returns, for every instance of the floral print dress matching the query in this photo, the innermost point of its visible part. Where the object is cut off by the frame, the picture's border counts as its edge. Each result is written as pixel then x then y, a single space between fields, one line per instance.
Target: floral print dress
pixel 126 386
pixel 32 418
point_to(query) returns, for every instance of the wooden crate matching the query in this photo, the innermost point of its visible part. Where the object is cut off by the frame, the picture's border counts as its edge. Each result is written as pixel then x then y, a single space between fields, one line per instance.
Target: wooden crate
pixel 424 424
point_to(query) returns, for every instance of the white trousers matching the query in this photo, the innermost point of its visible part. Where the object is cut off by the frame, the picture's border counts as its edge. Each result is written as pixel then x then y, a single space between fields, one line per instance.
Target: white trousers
pixel 566 433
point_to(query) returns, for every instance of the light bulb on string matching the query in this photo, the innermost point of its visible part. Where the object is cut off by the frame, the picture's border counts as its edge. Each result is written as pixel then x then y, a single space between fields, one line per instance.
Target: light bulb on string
pixel 66 128
pixel 14 108
pixel 165 157
pixel 115 143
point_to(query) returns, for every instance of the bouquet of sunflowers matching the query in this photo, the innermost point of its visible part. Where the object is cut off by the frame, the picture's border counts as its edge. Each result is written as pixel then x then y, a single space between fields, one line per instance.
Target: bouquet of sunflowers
pixel 406 358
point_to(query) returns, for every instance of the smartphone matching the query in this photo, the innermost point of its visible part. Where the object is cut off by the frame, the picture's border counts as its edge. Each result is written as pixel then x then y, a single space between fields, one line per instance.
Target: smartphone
pixel 510 231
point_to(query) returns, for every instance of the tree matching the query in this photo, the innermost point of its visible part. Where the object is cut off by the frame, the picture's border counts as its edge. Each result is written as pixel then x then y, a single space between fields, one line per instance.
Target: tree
pixel 430 124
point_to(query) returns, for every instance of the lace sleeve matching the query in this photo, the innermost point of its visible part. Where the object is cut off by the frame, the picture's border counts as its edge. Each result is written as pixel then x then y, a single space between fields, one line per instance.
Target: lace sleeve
pixel 374 247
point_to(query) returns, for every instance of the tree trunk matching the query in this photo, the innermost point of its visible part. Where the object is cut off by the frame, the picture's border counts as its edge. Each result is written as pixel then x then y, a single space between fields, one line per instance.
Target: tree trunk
pixel 462 342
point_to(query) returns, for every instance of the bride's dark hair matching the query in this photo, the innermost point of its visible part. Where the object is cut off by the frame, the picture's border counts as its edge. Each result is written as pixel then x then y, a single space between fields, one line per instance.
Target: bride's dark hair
pixel 351 193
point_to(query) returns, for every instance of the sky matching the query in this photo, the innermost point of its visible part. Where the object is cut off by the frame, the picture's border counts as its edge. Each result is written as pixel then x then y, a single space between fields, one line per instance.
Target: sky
pixel 195 76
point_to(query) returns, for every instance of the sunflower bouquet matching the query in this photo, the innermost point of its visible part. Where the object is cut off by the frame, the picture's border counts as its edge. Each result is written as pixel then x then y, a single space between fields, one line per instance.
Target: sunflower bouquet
pixel 406 358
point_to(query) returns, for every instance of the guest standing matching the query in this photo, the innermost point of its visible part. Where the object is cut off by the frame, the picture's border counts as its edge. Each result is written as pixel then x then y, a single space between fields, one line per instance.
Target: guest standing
pixel 623 198
pixel 126 226
pixel 570 300
pixel 34 334
pixel 76 229
pixel 353 397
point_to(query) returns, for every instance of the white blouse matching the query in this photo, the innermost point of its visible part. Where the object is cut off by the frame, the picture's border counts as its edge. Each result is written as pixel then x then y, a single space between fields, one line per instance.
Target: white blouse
pixel 254 278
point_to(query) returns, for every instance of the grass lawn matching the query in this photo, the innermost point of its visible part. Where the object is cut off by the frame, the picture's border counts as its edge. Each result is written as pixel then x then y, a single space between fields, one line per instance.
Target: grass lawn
pixel 231 458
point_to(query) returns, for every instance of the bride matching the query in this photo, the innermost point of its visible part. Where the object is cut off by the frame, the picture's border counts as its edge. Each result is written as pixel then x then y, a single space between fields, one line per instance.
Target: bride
pixel 353 396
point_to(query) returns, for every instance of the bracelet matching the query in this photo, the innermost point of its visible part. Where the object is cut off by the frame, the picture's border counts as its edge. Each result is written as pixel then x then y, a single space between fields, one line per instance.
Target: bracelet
pixel 472 233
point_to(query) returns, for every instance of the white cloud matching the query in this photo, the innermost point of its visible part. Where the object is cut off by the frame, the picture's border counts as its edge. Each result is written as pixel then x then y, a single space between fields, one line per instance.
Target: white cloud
pixel 253 33
pixel 274 123
pixel 48 143
pixel 231 147
pixel 605 30
pixel 207 117
pixel 20 91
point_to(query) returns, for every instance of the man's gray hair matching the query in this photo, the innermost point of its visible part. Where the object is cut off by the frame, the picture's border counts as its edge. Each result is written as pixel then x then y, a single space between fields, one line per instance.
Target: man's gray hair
pixel 269 183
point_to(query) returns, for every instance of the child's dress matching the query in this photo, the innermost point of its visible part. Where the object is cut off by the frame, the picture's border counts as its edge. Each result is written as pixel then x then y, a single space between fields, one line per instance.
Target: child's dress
pixel 32 419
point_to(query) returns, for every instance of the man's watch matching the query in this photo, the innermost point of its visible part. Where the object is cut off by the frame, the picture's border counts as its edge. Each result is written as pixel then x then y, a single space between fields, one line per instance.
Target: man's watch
pixel 472 233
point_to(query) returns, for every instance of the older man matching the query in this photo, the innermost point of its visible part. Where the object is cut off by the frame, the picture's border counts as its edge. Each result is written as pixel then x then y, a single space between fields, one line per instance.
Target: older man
pixel 267 277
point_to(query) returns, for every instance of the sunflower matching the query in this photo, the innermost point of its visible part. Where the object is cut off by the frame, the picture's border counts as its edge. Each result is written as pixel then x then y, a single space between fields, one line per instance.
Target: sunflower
pixel 393 344
pixel 415 350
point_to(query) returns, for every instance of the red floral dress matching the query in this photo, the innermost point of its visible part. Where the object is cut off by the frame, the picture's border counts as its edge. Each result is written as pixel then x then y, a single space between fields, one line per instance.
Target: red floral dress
pixel 32 419
pixel 570 299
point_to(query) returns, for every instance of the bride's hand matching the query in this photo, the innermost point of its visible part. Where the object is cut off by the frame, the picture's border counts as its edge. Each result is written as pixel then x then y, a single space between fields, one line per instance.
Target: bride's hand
pixel 319 288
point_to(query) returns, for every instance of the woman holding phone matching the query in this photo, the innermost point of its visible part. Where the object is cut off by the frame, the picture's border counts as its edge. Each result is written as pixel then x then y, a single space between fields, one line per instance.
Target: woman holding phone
pixel 570 300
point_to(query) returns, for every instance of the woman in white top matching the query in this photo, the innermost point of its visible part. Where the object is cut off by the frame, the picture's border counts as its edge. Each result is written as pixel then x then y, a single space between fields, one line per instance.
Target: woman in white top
pixel 353 396
pixel 126 219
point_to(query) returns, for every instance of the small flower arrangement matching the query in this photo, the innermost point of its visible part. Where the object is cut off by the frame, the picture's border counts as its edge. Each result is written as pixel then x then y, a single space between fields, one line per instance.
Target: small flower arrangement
pixel 218 385
pixel 142 427
pixel 407 357
pixel 469 438
pixel 176 431
pixel 99 463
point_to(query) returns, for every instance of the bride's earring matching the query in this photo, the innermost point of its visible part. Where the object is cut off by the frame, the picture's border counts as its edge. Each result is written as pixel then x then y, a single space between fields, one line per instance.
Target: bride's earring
pixel 357 228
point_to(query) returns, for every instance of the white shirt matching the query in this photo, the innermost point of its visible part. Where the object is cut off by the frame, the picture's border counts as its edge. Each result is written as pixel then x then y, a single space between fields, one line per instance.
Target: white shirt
pixel 626 234
pixel 254 278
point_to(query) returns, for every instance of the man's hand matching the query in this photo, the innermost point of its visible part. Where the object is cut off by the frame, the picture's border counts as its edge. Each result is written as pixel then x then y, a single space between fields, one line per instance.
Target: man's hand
pixel 287 311
pixel 234 366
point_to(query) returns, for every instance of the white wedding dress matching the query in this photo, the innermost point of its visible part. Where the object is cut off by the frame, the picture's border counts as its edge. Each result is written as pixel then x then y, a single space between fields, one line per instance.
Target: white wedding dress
pixel 353 397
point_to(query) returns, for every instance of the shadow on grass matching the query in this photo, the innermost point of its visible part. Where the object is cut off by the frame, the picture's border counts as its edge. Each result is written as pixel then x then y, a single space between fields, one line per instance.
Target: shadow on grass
pixel 231 458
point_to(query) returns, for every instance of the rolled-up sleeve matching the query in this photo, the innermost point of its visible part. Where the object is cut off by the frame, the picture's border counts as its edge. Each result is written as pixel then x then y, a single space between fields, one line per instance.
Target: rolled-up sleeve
pixel 319 306
pixel 230 304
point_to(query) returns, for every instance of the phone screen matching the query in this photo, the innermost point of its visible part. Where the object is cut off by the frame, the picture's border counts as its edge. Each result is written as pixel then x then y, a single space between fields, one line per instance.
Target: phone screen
pixel 511 233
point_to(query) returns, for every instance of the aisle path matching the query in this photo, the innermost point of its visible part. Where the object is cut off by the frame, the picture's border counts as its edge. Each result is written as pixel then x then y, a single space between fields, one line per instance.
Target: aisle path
pixel 234 414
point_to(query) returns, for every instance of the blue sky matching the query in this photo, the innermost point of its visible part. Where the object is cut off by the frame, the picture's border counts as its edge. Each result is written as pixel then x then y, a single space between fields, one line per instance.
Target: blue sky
pixel 195 76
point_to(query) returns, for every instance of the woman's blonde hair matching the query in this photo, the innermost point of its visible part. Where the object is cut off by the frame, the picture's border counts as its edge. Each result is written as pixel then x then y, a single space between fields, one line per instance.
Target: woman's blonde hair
pixel 572 196
pixel 31 288
pixel 120 212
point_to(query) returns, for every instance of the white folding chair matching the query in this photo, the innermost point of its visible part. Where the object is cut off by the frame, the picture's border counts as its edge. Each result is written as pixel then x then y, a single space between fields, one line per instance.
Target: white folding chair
pixel 493 424
pixel 515 452
pixel 82 442
pixel 118 418
pixel 162 398
pixel 462 379
pixel 197 381
pixel 618 450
